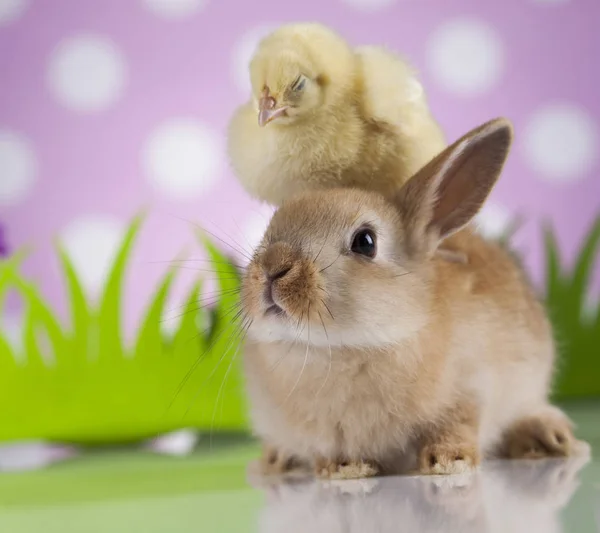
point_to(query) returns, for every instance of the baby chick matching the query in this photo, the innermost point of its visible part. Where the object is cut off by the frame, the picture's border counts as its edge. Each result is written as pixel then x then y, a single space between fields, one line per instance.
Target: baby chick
pixel 323 115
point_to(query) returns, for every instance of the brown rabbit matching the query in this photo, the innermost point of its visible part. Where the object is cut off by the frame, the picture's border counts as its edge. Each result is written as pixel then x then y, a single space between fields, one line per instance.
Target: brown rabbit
pixel 369 354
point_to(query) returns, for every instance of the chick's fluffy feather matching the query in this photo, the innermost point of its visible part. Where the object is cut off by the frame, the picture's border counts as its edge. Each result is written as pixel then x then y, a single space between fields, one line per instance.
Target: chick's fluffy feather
pixel 362 121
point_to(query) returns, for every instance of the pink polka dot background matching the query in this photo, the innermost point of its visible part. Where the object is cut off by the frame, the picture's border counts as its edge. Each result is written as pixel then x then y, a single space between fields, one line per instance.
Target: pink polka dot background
pixel 109 107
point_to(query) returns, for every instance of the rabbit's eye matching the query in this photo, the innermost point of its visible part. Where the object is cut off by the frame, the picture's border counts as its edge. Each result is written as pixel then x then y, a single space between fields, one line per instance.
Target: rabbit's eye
pixel 364 243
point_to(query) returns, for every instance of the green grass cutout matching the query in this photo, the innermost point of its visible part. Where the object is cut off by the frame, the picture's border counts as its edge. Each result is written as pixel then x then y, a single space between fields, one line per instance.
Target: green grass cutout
pixel 82 384
pixel 577 331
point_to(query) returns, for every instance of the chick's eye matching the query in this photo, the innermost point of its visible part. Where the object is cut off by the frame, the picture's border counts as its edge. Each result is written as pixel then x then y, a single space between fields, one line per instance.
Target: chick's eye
pixel 364 243
pixel 300 84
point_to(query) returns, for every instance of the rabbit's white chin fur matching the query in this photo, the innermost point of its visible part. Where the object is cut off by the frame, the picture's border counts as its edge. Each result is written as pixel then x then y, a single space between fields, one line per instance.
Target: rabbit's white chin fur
pixel 274 329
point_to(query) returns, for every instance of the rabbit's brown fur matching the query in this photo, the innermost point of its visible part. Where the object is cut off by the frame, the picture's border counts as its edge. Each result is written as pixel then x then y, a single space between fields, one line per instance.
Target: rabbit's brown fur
pixel 406 360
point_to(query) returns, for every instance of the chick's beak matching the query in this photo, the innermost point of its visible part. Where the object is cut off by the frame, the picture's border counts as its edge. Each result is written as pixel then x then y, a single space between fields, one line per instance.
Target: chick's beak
pixel 267 110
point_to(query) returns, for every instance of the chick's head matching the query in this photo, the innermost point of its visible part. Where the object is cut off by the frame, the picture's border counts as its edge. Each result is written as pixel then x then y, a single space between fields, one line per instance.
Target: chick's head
pixel 299 70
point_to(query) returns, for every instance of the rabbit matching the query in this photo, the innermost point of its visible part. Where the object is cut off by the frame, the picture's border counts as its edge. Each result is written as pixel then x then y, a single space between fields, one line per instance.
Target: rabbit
pixel 367 354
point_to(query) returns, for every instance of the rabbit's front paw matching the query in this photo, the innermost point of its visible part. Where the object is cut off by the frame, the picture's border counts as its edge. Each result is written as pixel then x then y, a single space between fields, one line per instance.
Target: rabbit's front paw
pixel 447 457
pixel 345 470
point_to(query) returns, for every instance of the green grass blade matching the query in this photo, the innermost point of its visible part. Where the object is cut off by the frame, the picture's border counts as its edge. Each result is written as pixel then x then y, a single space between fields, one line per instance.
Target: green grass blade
pixel 553 267
pixel 36 362
pixel 109 318
pixel 595 326
pixel 581 273
pixel 8 356
pixel 14 260
pixel 11 391
pixel 150 338
pixel 9 268
pixel 188 350
pixel 42 322
pixel 191 329
pixel 80 312
pixel 556 289
pixel 8 360
pixel 578 337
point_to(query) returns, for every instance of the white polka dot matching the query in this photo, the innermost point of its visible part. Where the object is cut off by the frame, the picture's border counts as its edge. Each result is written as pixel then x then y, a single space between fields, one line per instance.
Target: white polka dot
pixel 242 54
pixel 370 5
pixel 175 9
pixel 465 56
pixel 87 73
pixel 11 10
pixel 561 142
pixel 18 167
pixel 493 221
pixel 92 243
pixel 182 158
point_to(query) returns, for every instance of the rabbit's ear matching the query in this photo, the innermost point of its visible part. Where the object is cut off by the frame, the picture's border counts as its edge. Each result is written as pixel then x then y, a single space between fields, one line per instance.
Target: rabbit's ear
pixel 449 191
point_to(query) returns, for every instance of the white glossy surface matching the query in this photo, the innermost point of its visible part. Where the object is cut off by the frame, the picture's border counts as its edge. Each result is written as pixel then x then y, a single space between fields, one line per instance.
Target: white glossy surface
pixel 507 497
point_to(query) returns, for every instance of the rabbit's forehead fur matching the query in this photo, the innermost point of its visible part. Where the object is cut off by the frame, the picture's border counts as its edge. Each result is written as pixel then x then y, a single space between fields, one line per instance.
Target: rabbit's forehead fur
pixel 315 217
pixel 334 297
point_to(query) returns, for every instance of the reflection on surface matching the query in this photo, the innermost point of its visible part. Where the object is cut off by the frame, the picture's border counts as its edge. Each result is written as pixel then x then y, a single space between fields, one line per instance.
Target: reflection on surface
pixel 515 497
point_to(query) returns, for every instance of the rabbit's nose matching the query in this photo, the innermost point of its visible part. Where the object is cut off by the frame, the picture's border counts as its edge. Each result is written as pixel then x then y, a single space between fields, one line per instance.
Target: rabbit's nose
pixel 278 273
pixel 277 261
pixel 269 298
pixel 272 277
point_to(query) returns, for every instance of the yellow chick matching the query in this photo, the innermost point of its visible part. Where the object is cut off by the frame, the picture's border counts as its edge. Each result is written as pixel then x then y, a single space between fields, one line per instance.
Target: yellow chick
pixel 323 115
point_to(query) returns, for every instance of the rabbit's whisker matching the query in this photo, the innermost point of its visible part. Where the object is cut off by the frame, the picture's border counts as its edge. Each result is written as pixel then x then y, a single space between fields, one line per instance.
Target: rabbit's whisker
pixel 200 358
pixel 330 264
pixel 328 310
pixel 207 270
pixel 174 262
pixel 299 331
pixel 230 345
pixel 237 250
pixel 207 299
pixel 305 358
pixel 319 253
pixel 244 330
